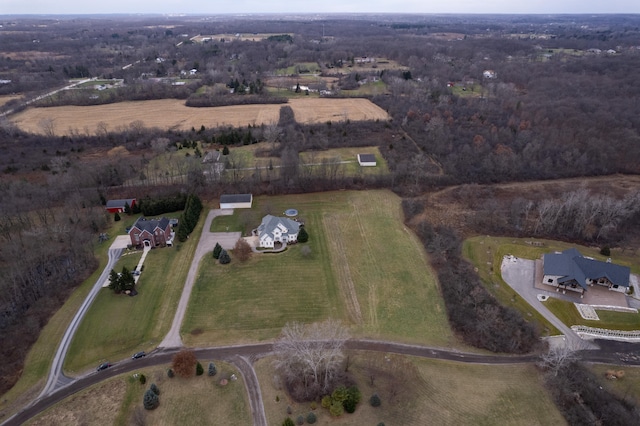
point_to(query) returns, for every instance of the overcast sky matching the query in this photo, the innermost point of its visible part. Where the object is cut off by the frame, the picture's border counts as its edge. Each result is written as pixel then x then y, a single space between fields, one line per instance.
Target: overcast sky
pixel 324 6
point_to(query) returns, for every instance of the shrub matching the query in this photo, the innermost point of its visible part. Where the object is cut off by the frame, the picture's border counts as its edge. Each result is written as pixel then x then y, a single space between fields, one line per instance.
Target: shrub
pixel 300 420
pixel 216 251
pixel 375 400
pixel 199 369
pixel 311 418
pixel 242 250
pixel 184 363
pixel 288 422
pixel 170 373
pixel 605 251
pixel 224 257
pixel 326 401
pixel 336 409
pixel 313 405
pixel 212 369
pixel 381 424
pixel 349 405
pixel 150 400
pixel 303 236
pixel 142 379
pixel 154 388
pixel 289 410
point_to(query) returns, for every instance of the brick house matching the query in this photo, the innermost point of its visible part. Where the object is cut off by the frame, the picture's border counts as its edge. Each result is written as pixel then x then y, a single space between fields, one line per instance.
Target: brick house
pixel 151 232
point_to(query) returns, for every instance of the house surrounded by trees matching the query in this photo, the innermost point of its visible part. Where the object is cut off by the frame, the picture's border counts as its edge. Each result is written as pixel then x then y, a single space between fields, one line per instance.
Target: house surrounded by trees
pixel 275 229
pixel 570 270
pixel 151 232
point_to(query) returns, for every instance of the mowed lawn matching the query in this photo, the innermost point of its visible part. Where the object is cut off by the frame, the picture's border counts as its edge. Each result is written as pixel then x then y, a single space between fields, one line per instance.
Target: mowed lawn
pixel 365 268
pixel 117 325
pixel 426 392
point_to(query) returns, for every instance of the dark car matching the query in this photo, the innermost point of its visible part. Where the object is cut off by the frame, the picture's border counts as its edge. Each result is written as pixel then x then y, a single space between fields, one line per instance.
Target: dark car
pixel 103 366
pixel 138 355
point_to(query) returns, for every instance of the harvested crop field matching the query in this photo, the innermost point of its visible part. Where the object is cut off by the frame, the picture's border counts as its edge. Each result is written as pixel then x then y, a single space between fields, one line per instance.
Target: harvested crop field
pixel 173 114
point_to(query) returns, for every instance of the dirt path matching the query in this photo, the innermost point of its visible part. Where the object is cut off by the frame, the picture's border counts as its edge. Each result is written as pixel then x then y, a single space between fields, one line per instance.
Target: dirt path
pixel 205 246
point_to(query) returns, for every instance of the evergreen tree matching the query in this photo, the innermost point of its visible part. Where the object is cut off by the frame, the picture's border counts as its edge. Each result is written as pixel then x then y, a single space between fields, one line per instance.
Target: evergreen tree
pixel 212 369
pixel 216 251
pixel 303 237
pixel 150 400
pixel 154 388
pixel 224 257
pixel 127 208
pixel 199 369
pixel 116 217
pixel 225 150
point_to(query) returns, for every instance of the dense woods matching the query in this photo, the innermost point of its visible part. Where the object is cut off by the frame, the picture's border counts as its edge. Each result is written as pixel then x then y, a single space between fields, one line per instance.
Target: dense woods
pixel 560 100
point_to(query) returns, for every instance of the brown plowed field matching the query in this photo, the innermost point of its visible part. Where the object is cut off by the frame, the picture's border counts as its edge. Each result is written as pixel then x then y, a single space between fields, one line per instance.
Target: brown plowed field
pixel 173 114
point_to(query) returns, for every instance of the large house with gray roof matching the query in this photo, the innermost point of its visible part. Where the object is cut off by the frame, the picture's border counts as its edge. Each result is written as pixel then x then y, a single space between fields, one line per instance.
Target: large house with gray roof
pixel 151 232
pixel 570 270
pixel 275 229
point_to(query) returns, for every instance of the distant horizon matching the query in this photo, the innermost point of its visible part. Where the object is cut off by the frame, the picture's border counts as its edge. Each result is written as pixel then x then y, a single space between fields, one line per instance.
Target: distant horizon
pixel 280 7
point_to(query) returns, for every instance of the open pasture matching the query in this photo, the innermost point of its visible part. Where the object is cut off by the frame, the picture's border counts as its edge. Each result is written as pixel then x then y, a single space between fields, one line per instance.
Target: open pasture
pixel 173 114
pixel 365 268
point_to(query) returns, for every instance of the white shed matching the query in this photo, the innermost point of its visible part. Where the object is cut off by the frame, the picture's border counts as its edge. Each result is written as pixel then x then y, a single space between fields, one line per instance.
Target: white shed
pixel 236 201
pixel 367 160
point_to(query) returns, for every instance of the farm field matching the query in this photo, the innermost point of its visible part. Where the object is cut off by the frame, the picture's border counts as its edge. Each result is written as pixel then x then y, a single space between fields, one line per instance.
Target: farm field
pixel 197 400
pixel 365 268
pixel 173 114
pixel 6 98
pixel 117 325
pixel 421 391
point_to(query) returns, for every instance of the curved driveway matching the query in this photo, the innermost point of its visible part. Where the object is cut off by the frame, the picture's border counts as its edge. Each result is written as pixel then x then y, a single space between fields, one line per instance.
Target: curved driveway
pixel 56 377
pixel 520 275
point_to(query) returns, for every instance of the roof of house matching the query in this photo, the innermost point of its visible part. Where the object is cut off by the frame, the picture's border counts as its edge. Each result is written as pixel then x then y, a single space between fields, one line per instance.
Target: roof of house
pixel 150 225
pixel 367 158
pixel 119 203
pixel 236 198
pixel 270 223
pixel 571 265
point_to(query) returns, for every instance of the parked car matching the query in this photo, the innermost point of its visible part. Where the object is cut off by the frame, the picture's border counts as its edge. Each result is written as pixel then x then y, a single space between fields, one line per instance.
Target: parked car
pixel 103 366
pixel 138 355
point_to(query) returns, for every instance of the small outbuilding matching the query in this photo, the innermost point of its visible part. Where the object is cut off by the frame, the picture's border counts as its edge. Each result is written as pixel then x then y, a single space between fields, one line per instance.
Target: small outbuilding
pixel 367 160
pixel 236 201
pixel 119 206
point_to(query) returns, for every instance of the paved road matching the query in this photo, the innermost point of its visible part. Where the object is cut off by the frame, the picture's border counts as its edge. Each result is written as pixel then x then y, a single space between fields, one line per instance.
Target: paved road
pixel 619 353
pixel 519 274
pixel 205 247
pixel 56 377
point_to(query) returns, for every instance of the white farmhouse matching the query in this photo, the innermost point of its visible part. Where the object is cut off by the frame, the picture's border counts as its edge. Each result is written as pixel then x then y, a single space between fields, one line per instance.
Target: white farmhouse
pixel 277 229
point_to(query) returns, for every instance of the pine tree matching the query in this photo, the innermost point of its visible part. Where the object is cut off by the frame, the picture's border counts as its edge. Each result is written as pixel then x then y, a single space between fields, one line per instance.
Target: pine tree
pixel 150 400
pixel 212 369
pixel 216 251
pixel 303 237
pixel 224 257
pixel 199 369
pixel 225 150
pixel 154 388
pixel 116 217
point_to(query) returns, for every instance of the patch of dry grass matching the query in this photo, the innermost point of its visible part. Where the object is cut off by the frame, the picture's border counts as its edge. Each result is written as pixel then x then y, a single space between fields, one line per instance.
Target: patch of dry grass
pixel 421 391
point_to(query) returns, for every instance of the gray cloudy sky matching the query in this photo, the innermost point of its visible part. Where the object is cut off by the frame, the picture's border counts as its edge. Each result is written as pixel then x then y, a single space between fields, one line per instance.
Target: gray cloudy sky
pixel 324 6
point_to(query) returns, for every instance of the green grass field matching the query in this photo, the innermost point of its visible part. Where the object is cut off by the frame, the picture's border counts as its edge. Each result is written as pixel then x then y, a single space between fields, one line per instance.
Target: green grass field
pixel 568 314
pixel 118 325
pixel 365 269
pixel 368 89
pixel 422 392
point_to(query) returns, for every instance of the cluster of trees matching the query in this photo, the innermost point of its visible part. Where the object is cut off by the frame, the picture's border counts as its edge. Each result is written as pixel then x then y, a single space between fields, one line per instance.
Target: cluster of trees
pixel 189 217
pixel 121 282
pixel 234 137
pixel 160 205
pixel 582 400
pixel 473 312
pixel 310 358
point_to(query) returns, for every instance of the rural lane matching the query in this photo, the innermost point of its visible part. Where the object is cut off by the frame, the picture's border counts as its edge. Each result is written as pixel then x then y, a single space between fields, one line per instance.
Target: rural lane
pixel 206 245
pixel 618 353
pixel 56 377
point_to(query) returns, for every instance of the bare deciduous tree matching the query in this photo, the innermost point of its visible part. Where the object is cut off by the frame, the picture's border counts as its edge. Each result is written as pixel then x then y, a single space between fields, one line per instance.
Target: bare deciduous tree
pixel 242 250
pixel 184 363
pixel 310 357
